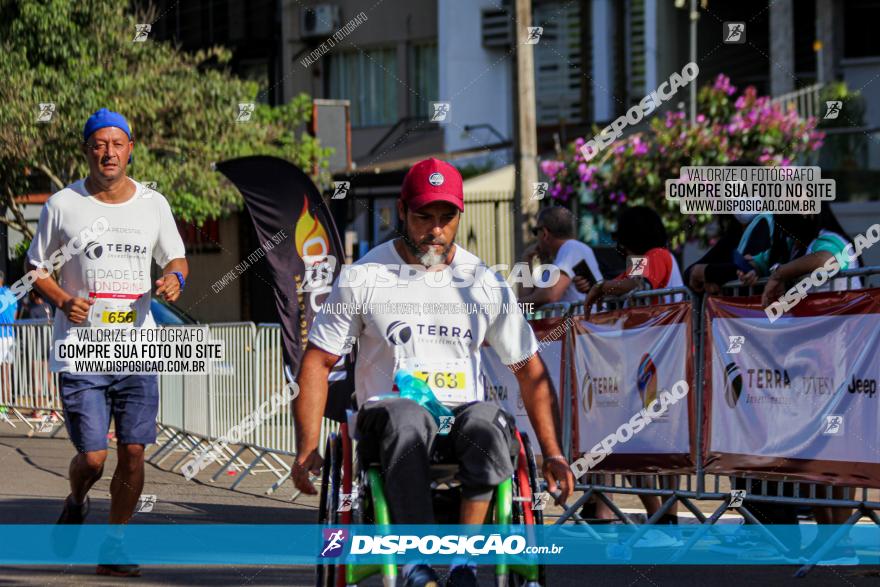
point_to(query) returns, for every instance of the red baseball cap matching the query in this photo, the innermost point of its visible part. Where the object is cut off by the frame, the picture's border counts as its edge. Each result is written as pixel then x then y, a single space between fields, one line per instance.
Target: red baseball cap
pixel 432 180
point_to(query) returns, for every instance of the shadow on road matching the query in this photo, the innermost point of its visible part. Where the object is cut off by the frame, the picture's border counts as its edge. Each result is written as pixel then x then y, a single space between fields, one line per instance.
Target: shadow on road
pixel 46 511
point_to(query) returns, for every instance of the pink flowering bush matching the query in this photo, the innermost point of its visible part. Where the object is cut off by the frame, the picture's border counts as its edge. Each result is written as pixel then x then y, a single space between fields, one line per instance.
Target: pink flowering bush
pixel 633 170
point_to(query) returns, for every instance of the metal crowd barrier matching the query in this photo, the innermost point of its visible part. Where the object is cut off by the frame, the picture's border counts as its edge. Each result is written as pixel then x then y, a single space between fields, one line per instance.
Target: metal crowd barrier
pixel 201 416
pixel 601 485
pixel 804 493
pixel 26 384
pixel 197 410
pixel 699 485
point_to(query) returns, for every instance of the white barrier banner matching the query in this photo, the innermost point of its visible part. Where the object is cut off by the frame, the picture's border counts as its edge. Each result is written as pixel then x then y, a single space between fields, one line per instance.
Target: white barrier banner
pixel 802 388
pixel 502 386
pixel 619 373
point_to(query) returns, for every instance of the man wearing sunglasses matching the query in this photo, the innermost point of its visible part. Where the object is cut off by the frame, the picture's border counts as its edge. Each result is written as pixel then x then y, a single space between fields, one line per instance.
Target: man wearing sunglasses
pixel 556 244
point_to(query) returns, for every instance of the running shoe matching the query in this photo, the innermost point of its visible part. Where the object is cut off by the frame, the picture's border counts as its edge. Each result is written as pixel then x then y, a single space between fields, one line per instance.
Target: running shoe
pixel 112 550
pixel 420 576
pixel 841 553
pixel 462 576
pixel 119 570
pixel 73 513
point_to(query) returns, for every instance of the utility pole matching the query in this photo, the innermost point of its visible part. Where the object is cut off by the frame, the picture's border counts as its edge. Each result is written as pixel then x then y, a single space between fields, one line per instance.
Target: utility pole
pixel 824 44
pixel 525 148
pixel 781 47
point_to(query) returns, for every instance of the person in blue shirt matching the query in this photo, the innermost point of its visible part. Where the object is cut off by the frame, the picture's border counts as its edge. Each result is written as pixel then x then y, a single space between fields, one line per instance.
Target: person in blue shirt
pixel 8 309
pixel 751 234
pixel 745 234
pixel 35 308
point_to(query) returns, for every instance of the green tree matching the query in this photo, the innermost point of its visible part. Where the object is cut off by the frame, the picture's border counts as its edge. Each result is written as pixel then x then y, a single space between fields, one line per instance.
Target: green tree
pixel 183 108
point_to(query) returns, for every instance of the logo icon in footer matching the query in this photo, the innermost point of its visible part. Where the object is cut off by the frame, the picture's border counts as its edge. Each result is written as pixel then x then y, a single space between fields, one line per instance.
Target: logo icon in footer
pixel 334 542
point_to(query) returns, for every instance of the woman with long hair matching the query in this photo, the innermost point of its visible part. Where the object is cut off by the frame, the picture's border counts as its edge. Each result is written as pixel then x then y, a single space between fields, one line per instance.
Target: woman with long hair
pixel 641 238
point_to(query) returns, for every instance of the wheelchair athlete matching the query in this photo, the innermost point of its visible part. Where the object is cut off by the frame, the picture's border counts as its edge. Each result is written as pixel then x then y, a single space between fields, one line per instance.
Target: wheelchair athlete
pixel 398 433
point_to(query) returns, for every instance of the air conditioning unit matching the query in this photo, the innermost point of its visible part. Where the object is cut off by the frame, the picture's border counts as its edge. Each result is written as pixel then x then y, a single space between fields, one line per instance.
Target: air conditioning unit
pixel 320 20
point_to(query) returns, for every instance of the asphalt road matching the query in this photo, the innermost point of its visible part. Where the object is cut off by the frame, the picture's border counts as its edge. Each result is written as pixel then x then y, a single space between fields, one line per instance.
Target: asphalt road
pixel 33 484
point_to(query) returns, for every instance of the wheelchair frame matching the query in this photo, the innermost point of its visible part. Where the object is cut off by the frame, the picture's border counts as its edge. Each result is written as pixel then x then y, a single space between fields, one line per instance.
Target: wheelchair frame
pixel 512 504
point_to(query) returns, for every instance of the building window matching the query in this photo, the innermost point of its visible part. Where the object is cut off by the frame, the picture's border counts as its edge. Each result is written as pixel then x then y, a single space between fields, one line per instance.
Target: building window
pixel 636 63
pixel 369 80
pixel 558 71
pixel 424 79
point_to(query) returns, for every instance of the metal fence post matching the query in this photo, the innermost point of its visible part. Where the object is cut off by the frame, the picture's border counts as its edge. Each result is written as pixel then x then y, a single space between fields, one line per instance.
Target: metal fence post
pixel 698 305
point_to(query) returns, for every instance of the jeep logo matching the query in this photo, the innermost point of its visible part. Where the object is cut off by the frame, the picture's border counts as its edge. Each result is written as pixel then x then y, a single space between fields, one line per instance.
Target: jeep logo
pixel 866 386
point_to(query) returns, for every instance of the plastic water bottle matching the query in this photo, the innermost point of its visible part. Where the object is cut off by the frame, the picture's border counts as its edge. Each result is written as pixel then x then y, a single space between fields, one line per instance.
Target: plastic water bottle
pixel 411 387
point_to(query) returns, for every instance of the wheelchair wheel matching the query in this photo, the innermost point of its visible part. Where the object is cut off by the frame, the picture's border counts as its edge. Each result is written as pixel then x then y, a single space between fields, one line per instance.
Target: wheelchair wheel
pixel 532 468
pixel 526 485
pixel 363 513
pixel 328 506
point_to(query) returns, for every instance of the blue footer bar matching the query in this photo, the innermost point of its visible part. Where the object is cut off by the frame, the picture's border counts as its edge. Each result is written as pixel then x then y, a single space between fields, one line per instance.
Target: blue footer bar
pixel 222 544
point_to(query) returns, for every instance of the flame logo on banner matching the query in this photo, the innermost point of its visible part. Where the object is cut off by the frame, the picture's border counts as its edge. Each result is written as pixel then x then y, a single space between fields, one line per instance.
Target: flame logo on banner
pixel 311 239
pixel 646 380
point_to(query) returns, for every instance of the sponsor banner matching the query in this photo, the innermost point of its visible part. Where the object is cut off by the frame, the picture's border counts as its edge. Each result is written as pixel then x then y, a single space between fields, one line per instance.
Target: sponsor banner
pixel 500 383
pixel 282 199
pixel 622 360
pixel 798 397
pixel 311 544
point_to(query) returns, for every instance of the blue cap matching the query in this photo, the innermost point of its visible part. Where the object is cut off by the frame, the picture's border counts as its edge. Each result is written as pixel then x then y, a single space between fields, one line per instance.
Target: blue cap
pixel 102 119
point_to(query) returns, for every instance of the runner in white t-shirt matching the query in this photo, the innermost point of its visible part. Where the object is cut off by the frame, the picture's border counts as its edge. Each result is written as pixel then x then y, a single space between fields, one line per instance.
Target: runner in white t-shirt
pixel 555 233
pixel 107 230
pixel 395 327
pixel 109 280
pixel 440 334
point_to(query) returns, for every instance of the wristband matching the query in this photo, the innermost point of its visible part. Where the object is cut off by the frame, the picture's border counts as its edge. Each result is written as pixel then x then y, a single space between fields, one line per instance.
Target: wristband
pixel 556 458
pixel 180 278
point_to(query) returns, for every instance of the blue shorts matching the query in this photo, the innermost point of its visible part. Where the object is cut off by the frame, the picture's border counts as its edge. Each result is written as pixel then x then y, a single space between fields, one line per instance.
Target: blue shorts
pixel 90 400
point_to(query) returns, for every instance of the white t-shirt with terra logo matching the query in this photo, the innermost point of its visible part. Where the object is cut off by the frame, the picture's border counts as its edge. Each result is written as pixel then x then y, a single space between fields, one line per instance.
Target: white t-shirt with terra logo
pixel 422 323
pixel 114 267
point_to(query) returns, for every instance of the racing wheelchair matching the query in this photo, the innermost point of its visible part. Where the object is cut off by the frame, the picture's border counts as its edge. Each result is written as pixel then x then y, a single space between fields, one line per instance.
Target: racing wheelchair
pixel 512 503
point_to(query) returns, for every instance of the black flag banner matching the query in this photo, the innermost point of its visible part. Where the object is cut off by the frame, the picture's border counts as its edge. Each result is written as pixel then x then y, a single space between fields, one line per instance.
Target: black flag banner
pixel 281 197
